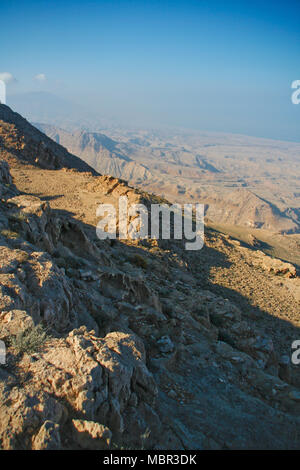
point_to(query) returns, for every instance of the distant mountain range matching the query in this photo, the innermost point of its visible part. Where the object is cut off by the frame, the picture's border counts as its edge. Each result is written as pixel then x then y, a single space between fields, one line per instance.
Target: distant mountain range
pixel 103 154
pixel 244 181
pixel 241 180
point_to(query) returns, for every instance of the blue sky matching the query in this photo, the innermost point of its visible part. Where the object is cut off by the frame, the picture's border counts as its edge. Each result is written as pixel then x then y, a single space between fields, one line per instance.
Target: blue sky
pixel 209 65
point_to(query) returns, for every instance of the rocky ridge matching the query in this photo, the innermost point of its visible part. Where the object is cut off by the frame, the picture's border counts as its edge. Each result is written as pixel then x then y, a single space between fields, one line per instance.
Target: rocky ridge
pixel 242 181
pixel 20 140
pixel 143 347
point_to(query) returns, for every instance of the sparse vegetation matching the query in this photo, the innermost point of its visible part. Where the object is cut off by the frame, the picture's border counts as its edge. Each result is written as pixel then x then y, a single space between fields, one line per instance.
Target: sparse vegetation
pixel 23 257
pixel 143 446
pixel 139 261
pixel 18 216
pixel 9 234
pixel 155 342
pixel 29 340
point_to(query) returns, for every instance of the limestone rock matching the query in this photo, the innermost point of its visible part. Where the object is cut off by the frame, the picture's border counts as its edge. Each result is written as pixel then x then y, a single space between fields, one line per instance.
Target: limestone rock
pixel 90 435
pixel 48 437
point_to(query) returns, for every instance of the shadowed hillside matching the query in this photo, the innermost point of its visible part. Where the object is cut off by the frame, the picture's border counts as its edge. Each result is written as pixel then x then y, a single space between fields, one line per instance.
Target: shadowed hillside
pixel 111 341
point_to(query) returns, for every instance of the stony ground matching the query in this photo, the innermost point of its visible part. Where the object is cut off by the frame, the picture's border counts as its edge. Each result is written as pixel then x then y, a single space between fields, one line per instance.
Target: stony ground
pixel 223 265
pixel 136 344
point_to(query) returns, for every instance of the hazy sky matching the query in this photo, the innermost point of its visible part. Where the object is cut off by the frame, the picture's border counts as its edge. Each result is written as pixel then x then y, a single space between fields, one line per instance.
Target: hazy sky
pixel 211 65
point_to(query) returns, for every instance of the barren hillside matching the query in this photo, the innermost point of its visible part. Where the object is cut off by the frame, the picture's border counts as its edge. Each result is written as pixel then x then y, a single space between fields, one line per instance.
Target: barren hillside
pixel 243 181
pixel 132 343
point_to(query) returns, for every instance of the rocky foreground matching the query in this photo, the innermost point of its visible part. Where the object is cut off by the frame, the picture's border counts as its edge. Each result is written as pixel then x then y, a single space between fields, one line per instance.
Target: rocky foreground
pixel 136 344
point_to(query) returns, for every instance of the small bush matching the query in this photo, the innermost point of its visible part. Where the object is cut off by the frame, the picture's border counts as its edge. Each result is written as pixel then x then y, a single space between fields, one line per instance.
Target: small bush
pixel 139 261
pixel 23 257
pixel 29 340
pixel 18 218
pixel 9 234
pixel 68 262
pixel 143 446
pixel 72 262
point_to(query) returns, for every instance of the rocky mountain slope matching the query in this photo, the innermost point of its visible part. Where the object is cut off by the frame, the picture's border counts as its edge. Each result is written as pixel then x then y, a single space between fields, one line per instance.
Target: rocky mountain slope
pixel 100 152
pixel 133 343
pixel 243 208
pixel 20 140
pixel 243 181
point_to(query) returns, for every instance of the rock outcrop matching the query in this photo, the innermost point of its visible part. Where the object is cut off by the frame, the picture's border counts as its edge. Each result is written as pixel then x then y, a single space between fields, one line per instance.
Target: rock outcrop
pixel 20 140
pixel 130 344
pixel 269 264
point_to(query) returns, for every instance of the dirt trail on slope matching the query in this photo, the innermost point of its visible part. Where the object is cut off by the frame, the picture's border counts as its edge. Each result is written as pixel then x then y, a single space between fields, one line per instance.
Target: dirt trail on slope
pixel 254 290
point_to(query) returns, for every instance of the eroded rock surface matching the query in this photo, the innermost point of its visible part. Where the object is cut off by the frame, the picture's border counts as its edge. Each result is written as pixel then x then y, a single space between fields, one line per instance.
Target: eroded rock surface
pixel 140 349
